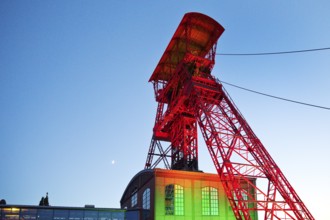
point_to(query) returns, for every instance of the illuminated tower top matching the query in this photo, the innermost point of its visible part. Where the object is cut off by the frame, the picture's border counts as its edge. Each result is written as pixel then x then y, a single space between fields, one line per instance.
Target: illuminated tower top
pixel 191 52
pixel 196 34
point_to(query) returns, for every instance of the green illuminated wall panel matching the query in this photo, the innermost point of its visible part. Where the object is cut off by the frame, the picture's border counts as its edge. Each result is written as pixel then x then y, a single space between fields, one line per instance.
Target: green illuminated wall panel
pixel 203 196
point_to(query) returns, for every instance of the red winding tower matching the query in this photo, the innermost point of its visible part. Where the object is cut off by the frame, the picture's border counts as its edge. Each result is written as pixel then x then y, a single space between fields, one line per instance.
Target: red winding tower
pixel 187 95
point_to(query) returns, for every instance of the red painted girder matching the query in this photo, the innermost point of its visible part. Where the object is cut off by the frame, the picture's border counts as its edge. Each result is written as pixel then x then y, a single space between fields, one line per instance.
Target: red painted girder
pixel 276 176
pixel 231 121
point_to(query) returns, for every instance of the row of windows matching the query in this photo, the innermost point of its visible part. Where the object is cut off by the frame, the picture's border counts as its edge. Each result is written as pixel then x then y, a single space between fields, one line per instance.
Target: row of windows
pixel 174 200
pixel 59 214
pixel 145 199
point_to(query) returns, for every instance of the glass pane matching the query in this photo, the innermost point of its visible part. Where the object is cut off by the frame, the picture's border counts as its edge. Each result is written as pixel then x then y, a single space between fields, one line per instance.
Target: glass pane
pixel 10 213
pixel 76 215
pixel 61 214
pixel 118 216
pixel 45 214
pixel 146 199
pixel 178 200
pixel 205 201
pixel 169 199
pixel 134 200
pixel 214 201
pixel 28 214
pixel 104 215
pixel 210 201
pixel 90 215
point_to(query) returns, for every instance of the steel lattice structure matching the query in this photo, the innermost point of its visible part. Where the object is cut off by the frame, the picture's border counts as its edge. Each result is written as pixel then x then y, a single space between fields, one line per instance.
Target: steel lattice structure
pixel 188 95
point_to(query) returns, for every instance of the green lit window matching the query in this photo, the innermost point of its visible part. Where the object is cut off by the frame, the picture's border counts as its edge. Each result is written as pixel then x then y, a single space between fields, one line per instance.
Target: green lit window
pixel 210 201
pixel 146 199
pixel 174 200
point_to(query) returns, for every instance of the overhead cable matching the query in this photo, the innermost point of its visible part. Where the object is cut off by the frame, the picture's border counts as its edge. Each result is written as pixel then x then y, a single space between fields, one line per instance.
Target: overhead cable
pixel 276 97
pixel 273 53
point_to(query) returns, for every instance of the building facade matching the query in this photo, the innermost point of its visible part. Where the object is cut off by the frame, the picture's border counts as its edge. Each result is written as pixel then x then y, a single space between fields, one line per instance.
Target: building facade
pixel 152 194
pixel 177 195
pixel 28 212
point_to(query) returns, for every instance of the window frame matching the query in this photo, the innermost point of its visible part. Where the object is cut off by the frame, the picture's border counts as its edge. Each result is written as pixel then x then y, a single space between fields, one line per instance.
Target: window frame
pixel 146 199
pixel 210 201
pixel 174 200
pixel 134 199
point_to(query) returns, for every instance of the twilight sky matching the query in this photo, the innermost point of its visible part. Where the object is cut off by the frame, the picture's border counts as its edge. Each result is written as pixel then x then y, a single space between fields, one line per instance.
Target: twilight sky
pixel 77 111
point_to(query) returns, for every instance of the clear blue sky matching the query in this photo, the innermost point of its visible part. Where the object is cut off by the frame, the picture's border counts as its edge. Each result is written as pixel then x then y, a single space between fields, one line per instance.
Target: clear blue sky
pixel 74 92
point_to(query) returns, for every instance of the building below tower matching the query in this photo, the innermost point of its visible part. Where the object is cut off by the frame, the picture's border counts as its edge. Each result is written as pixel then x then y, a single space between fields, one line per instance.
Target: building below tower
pixel 152 194
pixel 162 194
pixel 33 212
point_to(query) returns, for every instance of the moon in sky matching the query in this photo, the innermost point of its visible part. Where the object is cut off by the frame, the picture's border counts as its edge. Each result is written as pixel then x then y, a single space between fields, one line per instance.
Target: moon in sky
pixel 113 162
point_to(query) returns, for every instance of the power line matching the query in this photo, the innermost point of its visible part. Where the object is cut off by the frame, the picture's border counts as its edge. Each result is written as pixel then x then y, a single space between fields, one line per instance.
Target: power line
pixel 276 97
pixel 273 53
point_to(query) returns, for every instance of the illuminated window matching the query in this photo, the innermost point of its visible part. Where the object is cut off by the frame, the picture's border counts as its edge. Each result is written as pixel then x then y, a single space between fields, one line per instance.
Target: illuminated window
pixel 210 201
pixel 134 199
pixel 146 199
pixel 10 213
pixel 174 200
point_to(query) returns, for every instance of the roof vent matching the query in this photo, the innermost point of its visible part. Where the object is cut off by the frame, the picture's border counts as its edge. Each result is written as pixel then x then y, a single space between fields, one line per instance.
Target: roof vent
pixel 90 206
